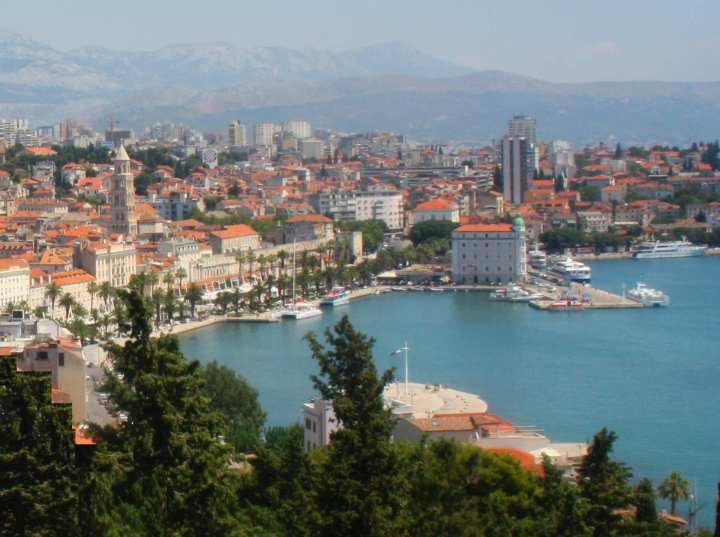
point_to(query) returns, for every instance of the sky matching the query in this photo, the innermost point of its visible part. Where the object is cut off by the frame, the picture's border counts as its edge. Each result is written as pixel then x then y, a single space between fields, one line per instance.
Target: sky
pixel 555 40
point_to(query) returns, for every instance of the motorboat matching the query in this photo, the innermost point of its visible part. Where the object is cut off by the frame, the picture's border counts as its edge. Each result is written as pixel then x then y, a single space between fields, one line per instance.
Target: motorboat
pixel 572 270
pixel 647 296
pixel 301 310
pixel 514 293
pixel 336 297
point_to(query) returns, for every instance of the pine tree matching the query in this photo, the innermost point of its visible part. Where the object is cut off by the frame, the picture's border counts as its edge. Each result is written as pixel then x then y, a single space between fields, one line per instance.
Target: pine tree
pixel 174 466
pixel 38 475
pixel 358 493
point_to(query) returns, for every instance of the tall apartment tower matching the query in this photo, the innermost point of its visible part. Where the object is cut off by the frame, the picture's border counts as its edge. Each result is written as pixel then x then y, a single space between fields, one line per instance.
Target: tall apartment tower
pixel 515 168
pixel 237 134
pixel 122 196
pixel 263 134
pixel 523 127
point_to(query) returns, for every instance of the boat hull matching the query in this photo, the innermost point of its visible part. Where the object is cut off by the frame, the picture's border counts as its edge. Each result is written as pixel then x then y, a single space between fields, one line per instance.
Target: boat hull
pixel 661 255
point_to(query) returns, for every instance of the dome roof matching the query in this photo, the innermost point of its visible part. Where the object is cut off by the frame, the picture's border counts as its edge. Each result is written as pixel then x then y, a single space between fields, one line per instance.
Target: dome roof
pixel 518 222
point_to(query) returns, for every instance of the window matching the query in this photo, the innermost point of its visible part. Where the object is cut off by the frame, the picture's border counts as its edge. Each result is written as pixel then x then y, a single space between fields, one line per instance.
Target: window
pixel 61 359
pixel 307 423
pixel 42 355
pixel 313 423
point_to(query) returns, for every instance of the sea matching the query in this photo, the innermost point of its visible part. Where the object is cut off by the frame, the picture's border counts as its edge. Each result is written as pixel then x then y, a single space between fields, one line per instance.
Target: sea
pixel 650 375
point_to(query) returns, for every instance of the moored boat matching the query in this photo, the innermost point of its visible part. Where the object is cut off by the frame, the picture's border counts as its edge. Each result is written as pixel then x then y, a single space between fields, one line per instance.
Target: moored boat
pixel 659 249
pixel 647 296
pixel 572 270
pixel 336 297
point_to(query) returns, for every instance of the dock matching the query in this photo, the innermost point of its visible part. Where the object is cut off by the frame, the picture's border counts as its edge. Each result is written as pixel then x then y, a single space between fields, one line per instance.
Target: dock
pixel 590 297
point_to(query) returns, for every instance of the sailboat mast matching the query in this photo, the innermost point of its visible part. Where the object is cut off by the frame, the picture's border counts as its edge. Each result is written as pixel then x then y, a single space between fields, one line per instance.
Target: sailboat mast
pixel 294 272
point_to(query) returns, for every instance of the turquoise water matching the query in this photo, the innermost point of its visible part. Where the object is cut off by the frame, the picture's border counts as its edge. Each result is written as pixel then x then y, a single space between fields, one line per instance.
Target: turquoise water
pixel 651 375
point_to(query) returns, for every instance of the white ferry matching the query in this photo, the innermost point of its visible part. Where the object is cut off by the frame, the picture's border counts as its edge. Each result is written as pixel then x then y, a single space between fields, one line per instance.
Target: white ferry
pixel 301 310
pixel 336 297
pixel 572 270
pixel 537 259
pixel 648 297
pixel 658 249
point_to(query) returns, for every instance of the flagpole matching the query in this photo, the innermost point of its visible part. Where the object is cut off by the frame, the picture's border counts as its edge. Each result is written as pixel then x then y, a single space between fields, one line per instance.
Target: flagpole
pixel 405 348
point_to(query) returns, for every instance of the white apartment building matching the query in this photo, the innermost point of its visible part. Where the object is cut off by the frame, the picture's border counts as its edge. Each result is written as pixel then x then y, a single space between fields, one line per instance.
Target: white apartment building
pixel 320 422
pixel 14 281
pixel 237 134
pixel 263 134
pixel 108 262
pixel 311 148
pixel 437 209
pixel 362 205
pixel 489 253
pixel 299 129
pixel 186 252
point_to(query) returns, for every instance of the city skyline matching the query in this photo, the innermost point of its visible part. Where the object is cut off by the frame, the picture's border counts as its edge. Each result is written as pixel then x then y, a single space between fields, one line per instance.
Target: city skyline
pixel 569 43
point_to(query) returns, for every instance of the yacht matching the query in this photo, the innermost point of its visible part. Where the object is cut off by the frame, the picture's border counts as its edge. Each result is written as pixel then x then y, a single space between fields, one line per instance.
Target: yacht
pixel 336 297
pixel 537 259
pixel 658 249
pixel 647 296
pixel 301 310
pixel 572 270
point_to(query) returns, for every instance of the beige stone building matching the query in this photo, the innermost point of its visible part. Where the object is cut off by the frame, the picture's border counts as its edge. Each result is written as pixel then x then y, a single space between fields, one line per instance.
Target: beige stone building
pixel 14 281
pixel 108 262
pixel 235 238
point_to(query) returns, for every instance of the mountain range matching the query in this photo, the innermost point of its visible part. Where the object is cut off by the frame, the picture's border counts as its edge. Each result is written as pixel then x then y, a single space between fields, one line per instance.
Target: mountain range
pixel 390 86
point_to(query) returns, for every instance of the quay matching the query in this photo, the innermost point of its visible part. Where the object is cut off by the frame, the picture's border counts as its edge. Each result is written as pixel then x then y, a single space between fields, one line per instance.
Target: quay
pixel 590 298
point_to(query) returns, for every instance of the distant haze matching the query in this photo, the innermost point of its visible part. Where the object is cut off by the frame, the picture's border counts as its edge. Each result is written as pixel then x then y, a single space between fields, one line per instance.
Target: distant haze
pixel 388 86
pixel 556 40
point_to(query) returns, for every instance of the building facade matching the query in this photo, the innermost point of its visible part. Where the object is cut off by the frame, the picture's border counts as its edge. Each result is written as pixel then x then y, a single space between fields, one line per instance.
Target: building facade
pixel 489 253
pixel 515 170
pixel 14 281
pixel 237 134
pixel 108 262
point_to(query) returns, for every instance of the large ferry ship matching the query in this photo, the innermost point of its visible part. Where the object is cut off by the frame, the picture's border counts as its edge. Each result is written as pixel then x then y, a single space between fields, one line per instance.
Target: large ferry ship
pixel 658 249
pixel 572 270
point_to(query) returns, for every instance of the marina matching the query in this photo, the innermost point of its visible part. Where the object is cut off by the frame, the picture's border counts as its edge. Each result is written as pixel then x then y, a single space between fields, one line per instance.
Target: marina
pixel 663 390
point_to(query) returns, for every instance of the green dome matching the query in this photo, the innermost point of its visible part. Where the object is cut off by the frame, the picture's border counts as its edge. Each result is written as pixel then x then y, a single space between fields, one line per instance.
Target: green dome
pixel 519 222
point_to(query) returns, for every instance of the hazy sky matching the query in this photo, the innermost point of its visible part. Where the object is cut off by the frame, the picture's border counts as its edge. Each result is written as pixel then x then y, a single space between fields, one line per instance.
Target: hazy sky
pixel 558 40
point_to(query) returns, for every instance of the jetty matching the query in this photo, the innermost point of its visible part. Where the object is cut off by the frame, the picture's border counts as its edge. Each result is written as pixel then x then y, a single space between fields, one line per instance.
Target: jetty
pixel 586 298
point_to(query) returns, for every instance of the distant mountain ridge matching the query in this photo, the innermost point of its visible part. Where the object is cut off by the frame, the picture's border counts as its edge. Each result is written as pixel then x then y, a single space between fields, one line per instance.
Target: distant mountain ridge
pixel 388 86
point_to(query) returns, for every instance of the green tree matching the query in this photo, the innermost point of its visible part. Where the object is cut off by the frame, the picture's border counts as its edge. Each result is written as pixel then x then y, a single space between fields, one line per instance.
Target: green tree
pixel 233 397
pixel 604 483
pixel 105 293
pixel 359 491
pixel 38 472
pixel 52 293
pixel 92 290
pixel 674 488
pixel 173 477
pixel 431 229
pixel 644 499
pixel 67 301
pixel 193 295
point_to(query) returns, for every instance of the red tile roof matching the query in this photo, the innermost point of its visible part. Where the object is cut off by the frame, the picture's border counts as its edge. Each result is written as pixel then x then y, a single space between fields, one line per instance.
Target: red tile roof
pixel 485 228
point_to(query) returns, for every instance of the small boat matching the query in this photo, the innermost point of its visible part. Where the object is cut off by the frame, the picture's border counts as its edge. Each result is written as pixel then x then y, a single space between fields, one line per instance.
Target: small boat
pixel 301 310
pixel 647 296
pixel 565 305
pixel 336 297
pixel 513 293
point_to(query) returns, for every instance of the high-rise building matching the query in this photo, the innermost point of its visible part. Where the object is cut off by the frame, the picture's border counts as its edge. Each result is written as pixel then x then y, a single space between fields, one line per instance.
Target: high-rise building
pixel 237 134
pixel 299 129
pixel 263 134
pixel 515 170
pixel 523 127
pixel 122 196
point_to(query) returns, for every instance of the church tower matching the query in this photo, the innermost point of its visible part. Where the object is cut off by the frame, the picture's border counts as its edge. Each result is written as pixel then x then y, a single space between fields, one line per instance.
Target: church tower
pixel 122 196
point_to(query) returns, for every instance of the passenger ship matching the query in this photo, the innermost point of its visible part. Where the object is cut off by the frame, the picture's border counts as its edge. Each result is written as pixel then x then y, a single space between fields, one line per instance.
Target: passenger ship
pixel 657 249
pixel 572 270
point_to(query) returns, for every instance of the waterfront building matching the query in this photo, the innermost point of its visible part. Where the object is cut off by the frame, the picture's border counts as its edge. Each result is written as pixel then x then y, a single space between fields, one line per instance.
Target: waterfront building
pixel 234 238
pixel 122 196
pixel 594 221
pixel 343 205
pixel 73 282
pixel 14 281
pixel 435 411
pixel 489 253
pixel 437 209
pixel 108 262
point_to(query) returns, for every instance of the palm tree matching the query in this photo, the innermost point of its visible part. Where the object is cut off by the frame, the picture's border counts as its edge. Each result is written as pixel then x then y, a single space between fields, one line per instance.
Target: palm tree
pixel 262 261
pixel 180 274
pixel 240 258
pixel 236 300
pixel 92 289
pixel 157 299
pixel 272 261
pixel 282 256
pixel 79 311
pixel 250 257
pixel 193 295
pixel 674 488
pixel 40 312
pixel 169 279
pixel 169 304
pixel 151 280
pixel 67 302
pixel 52 292
pixel 105 293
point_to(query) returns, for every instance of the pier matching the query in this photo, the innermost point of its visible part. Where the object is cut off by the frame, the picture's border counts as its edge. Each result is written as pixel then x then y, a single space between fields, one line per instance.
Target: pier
pixel 588 298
